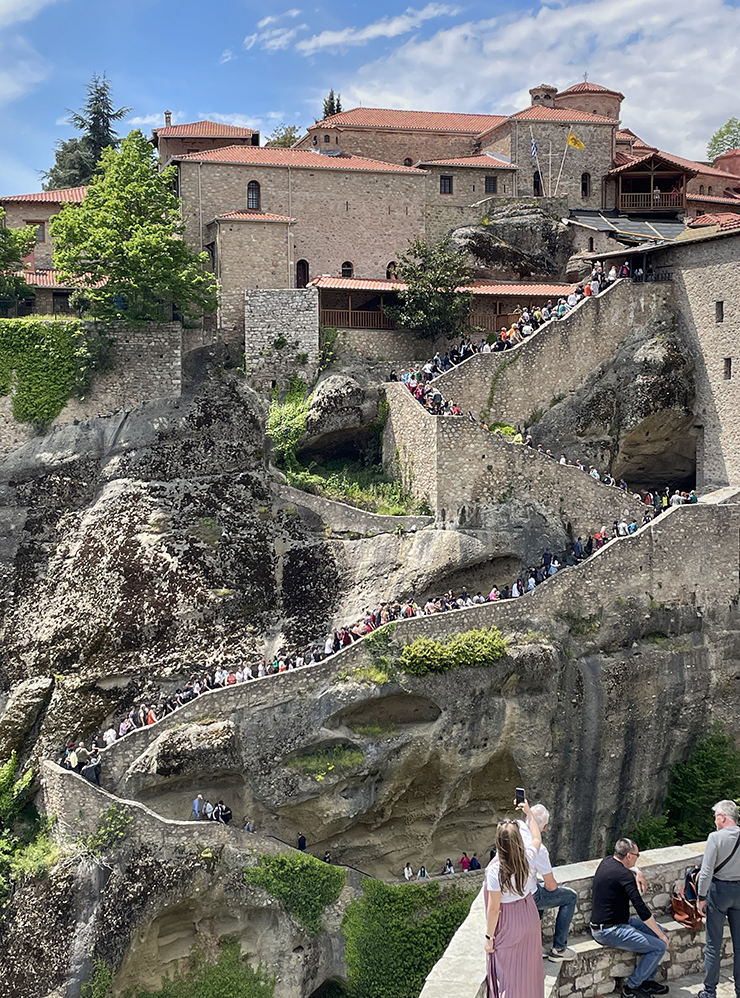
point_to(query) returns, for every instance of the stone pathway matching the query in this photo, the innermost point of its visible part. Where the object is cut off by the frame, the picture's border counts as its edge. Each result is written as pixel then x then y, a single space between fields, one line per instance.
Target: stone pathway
pixel 689 987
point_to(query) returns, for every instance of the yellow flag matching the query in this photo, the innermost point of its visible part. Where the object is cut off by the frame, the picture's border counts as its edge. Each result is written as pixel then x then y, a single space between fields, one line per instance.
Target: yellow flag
pixel 575 142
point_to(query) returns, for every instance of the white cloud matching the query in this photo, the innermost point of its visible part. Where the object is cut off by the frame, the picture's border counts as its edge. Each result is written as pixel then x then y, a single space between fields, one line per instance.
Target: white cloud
pixel 155 120
pixel 12 11
pixel 250 40
pixel 275 39
pixel 240 120
pixel 386 27
pixel 226 56
pixel 21 69
pixel 680 83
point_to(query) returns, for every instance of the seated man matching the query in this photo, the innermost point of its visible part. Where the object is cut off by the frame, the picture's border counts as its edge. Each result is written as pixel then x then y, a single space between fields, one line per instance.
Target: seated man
pixel 549 895
pixel 614 887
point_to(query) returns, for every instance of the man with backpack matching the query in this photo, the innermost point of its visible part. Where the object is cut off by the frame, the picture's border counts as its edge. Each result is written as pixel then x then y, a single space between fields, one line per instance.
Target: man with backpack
pixel 719 894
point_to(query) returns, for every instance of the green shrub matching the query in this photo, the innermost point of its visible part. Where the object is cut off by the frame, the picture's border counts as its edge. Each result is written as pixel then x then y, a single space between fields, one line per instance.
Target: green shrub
pixel 286 422
pixel 395 935
pixel 231 977
pixel 652 833
pixel 101 983
pixel 508 431
pixel 319 764
pixel 110 830
pixel 44 363
pixel 367 488
pixel 468 650
pixel 26 848
pixel 712 773
pixel 302 883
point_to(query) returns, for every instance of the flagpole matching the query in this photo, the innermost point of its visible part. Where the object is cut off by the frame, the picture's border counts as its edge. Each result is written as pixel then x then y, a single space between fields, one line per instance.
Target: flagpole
pixel 549 174
pixel 537 160
pixel 562 164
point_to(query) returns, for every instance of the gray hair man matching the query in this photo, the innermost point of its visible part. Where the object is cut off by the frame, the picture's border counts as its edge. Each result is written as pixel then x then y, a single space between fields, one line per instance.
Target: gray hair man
pixel 550 895
pixel 719 894
pixel 614 887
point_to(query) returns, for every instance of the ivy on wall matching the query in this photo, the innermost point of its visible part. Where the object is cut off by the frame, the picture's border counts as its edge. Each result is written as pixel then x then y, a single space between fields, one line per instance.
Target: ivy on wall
pixel 44 363
pixel 395 935
pixel 305 885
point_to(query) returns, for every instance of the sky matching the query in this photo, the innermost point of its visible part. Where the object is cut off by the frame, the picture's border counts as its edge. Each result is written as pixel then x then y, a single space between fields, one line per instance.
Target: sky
pixel 263 64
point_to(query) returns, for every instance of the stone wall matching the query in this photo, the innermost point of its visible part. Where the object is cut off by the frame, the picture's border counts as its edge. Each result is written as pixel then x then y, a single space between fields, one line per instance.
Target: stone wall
pixel 410 444
pixel 508 387
pixel 20 213
pixel 390 146
pixel 394 346
pixel 281 336
pixel 703 274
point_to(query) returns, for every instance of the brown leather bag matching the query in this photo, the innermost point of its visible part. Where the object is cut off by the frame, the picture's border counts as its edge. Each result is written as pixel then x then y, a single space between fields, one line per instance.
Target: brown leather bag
pixel 685 912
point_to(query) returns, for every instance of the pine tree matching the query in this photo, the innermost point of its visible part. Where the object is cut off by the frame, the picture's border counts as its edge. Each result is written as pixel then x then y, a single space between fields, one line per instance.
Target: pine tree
pixel 77 159
pixel 725 138
pixel 332 104
pixel 283 137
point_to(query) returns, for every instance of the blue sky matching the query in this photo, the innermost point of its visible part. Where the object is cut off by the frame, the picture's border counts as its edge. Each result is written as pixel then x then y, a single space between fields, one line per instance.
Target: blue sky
pixel 263 64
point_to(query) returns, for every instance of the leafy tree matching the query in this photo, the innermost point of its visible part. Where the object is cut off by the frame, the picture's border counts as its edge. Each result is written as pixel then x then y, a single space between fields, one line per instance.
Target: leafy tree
pixel 13 792
pixel 15 244
pixel 725 138
pixel 332 104
pixel 712 773
pixel 77 159
pixel 305 885
pixel 431 304
pixel 283 137
pixel 124 242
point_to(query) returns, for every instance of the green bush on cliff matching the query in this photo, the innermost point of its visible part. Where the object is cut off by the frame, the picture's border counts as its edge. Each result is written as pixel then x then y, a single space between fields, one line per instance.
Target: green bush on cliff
pixel 302 883
pixel 711 773
pixel 26 847
pixel 470 649
pixel 231 977
pixel 44 363
pixel 395 935
pixel 286 422
pixel 318 764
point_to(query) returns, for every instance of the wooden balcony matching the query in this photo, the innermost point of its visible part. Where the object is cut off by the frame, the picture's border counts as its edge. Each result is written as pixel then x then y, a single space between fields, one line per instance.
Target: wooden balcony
pixel 343 318
pixel 651 202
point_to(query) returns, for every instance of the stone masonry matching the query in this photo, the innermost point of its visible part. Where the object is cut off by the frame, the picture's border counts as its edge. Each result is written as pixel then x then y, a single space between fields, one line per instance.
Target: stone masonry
pixel 281 336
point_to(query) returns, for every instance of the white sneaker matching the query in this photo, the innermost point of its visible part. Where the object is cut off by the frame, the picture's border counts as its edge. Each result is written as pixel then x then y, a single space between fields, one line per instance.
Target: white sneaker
pixel 556 955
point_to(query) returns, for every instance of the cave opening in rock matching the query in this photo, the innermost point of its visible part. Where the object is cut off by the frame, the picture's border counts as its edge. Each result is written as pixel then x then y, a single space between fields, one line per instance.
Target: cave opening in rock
pixel 495 571
pixel 333 988
pixel 660 451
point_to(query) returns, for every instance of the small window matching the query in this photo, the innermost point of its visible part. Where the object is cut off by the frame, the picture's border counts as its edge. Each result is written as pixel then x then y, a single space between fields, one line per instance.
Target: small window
pixel 408 162
pixel 728 368
pixel 537 184
pixel 327 138
pixel 253 196
pixel 390 271
pixel 590 244
pixel 585 185
pixel 40 230
pixel 347 269
pixel 315 140
pixel 701 188
pixel 709 189
pixel 719 311
pixel 491 185
pixel 445 185
pixel 301 274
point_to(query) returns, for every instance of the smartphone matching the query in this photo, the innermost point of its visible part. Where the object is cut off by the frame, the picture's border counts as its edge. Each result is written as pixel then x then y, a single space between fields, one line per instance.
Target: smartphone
pixel 520 795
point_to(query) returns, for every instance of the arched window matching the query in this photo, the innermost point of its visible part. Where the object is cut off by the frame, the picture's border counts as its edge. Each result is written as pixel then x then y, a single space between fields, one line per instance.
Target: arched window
pixel 347 269
pixel 315 140
pixel 590 244
pixel 408 162
pixel 709 189
pixel 585 185
pixel 537 184
pixel 390 271
pixel 301 274
pixel 253 196
pixel 701 188
pixel 327 138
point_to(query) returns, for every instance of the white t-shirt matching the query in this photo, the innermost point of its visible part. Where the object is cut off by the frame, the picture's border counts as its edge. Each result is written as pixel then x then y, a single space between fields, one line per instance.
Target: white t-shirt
pixel 542 863
pixel 492 881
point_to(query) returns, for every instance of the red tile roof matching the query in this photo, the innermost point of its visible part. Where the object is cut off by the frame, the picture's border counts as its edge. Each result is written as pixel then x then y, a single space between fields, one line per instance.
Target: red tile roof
pixel 500 288
pixel 624 159
pixel 683 164
pixel 253 216
pixel 71 195
pixel 640 144
pixel 300 158
pixel 723 220
pixel 713 199
pixel 564 114
pixel 484 162
pixel 700 167
pixel 45 279
pixel 203 129
pixel 417 121
pixel 590 88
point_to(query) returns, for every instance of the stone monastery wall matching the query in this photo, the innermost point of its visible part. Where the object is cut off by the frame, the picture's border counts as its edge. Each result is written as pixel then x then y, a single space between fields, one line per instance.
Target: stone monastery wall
pixel 508 387
pixel 281 335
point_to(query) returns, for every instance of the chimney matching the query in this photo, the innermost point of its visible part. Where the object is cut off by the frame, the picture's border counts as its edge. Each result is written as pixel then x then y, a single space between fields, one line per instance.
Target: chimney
pixel 543 95
pixel 167 119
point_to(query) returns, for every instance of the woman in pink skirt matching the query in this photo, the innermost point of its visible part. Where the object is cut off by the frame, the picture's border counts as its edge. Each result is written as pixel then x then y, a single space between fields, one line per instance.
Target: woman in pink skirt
pixel 513 932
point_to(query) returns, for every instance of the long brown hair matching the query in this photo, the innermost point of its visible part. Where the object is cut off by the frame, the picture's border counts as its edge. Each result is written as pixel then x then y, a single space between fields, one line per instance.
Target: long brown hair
pixel 513 863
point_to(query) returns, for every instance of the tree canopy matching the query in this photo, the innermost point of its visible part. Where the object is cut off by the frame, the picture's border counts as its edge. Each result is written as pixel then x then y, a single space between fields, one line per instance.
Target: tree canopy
pixel 76 159
pixel 124 243
pixel 725 138
pixel 283 136
pixel 431 305
pixel 332 104
pixel 15 244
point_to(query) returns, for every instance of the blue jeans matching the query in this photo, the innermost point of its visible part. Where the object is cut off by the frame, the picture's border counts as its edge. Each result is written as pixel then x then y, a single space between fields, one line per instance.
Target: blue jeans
pixel 638 938
pixel 723 901
pixel 563 898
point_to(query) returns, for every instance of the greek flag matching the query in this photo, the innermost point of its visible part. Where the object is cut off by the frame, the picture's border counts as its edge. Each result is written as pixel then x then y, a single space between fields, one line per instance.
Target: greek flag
pixel 534 147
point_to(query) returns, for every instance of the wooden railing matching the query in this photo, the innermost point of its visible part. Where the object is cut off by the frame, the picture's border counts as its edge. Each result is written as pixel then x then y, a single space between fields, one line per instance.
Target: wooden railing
pixel 343 318
pixel 491 323
pixel 648 202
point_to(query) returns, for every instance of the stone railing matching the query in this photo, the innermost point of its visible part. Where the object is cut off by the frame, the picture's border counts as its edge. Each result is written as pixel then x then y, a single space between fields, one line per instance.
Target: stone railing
pixel 596 969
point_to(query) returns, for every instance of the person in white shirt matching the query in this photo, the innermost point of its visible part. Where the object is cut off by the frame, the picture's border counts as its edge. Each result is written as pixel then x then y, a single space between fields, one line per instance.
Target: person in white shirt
pixel 109 736
pixel 408 873
pixel 549 894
